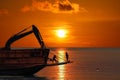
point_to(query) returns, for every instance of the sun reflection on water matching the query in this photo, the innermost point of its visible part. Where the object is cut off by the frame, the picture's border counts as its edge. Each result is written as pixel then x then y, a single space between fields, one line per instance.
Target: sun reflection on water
pixel 61 72
pixel 61 68
pixel 61 55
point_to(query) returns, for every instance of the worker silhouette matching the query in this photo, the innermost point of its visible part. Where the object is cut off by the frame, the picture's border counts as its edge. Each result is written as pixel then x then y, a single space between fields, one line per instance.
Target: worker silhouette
pixel 67 56
pixel 54 58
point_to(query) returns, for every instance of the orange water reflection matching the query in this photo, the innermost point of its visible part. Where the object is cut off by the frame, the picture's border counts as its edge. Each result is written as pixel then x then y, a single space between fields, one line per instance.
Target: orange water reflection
pixel 61 55
pixel 61 72
pixel 61 68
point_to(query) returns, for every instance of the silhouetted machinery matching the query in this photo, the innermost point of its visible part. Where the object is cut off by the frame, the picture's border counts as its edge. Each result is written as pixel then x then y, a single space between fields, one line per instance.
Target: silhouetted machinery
pixel 23 61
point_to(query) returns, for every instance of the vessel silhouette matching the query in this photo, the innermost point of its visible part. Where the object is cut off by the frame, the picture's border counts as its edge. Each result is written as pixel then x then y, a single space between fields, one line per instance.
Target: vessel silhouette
pixel 23 61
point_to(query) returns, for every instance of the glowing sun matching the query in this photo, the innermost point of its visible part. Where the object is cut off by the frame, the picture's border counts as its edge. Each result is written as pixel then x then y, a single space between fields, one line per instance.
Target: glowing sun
pixel 61 33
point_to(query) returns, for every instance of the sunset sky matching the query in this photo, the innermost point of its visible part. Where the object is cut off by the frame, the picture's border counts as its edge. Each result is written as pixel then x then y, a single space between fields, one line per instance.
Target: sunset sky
pixel 62 23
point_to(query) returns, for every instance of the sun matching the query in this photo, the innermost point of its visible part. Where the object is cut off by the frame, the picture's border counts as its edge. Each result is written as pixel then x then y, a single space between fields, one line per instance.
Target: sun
pixel 61 33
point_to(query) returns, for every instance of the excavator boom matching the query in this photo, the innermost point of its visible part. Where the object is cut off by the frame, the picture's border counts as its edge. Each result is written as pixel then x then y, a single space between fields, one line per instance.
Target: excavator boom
pixel 21 35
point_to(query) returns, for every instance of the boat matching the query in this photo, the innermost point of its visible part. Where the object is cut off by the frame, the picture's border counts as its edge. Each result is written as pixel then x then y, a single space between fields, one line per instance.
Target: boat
pixel 23 61
pixel 59 63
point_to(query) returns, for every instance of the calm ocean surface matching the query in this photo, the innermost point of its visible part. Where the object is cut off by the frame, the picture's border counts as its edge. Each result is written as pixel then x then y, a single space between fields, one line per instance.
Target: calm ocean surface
pixel 88 64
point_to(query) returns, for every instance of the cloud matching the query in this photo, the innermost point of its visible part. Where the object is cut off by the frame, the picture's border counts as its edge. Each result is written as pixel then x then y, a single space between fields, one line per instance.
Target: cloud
pixel 3 11
pixel 56 7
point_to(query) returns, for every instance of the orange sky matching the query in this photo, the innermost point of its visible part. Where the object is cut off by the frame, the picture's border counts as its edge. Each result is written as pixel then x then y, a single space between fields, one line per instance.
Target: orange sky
pixel 89 23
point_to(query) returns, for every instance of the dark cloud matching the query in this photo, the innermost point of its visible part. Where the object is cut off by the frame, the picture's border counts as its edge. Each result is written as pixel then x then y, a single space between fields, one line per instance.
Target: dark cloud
pixel 65 7
pixel 56 7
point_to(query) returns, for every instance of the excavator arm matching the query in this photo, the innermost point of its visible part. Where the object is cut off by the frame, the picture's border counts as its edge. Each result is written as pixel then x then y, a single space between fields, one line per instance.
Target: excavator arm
pixel 22 34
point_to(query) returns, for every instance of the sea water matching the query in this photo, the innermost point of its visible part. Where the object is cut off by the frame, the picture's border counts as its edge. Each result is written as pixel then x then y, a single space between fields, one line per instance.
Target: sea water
pixel 87 64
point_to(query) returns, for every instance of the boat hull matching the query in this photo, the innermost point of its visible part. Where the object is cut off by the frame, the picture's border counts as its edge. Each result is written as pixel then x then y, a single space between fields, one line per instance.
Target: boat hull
pixel 29 71
pixel 22 62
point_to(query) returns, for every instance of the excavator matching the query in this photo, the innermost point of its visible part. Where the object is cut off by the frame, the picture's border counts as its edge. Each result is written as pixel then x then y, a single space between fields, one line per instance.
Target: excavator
pixel 23 61
pixel 21 35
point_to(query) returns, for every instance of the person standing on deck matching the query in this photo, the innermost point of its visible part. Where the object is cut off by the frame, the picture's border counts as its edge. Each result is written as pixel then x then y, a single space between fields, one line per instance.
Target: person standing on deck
pixel 67 56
